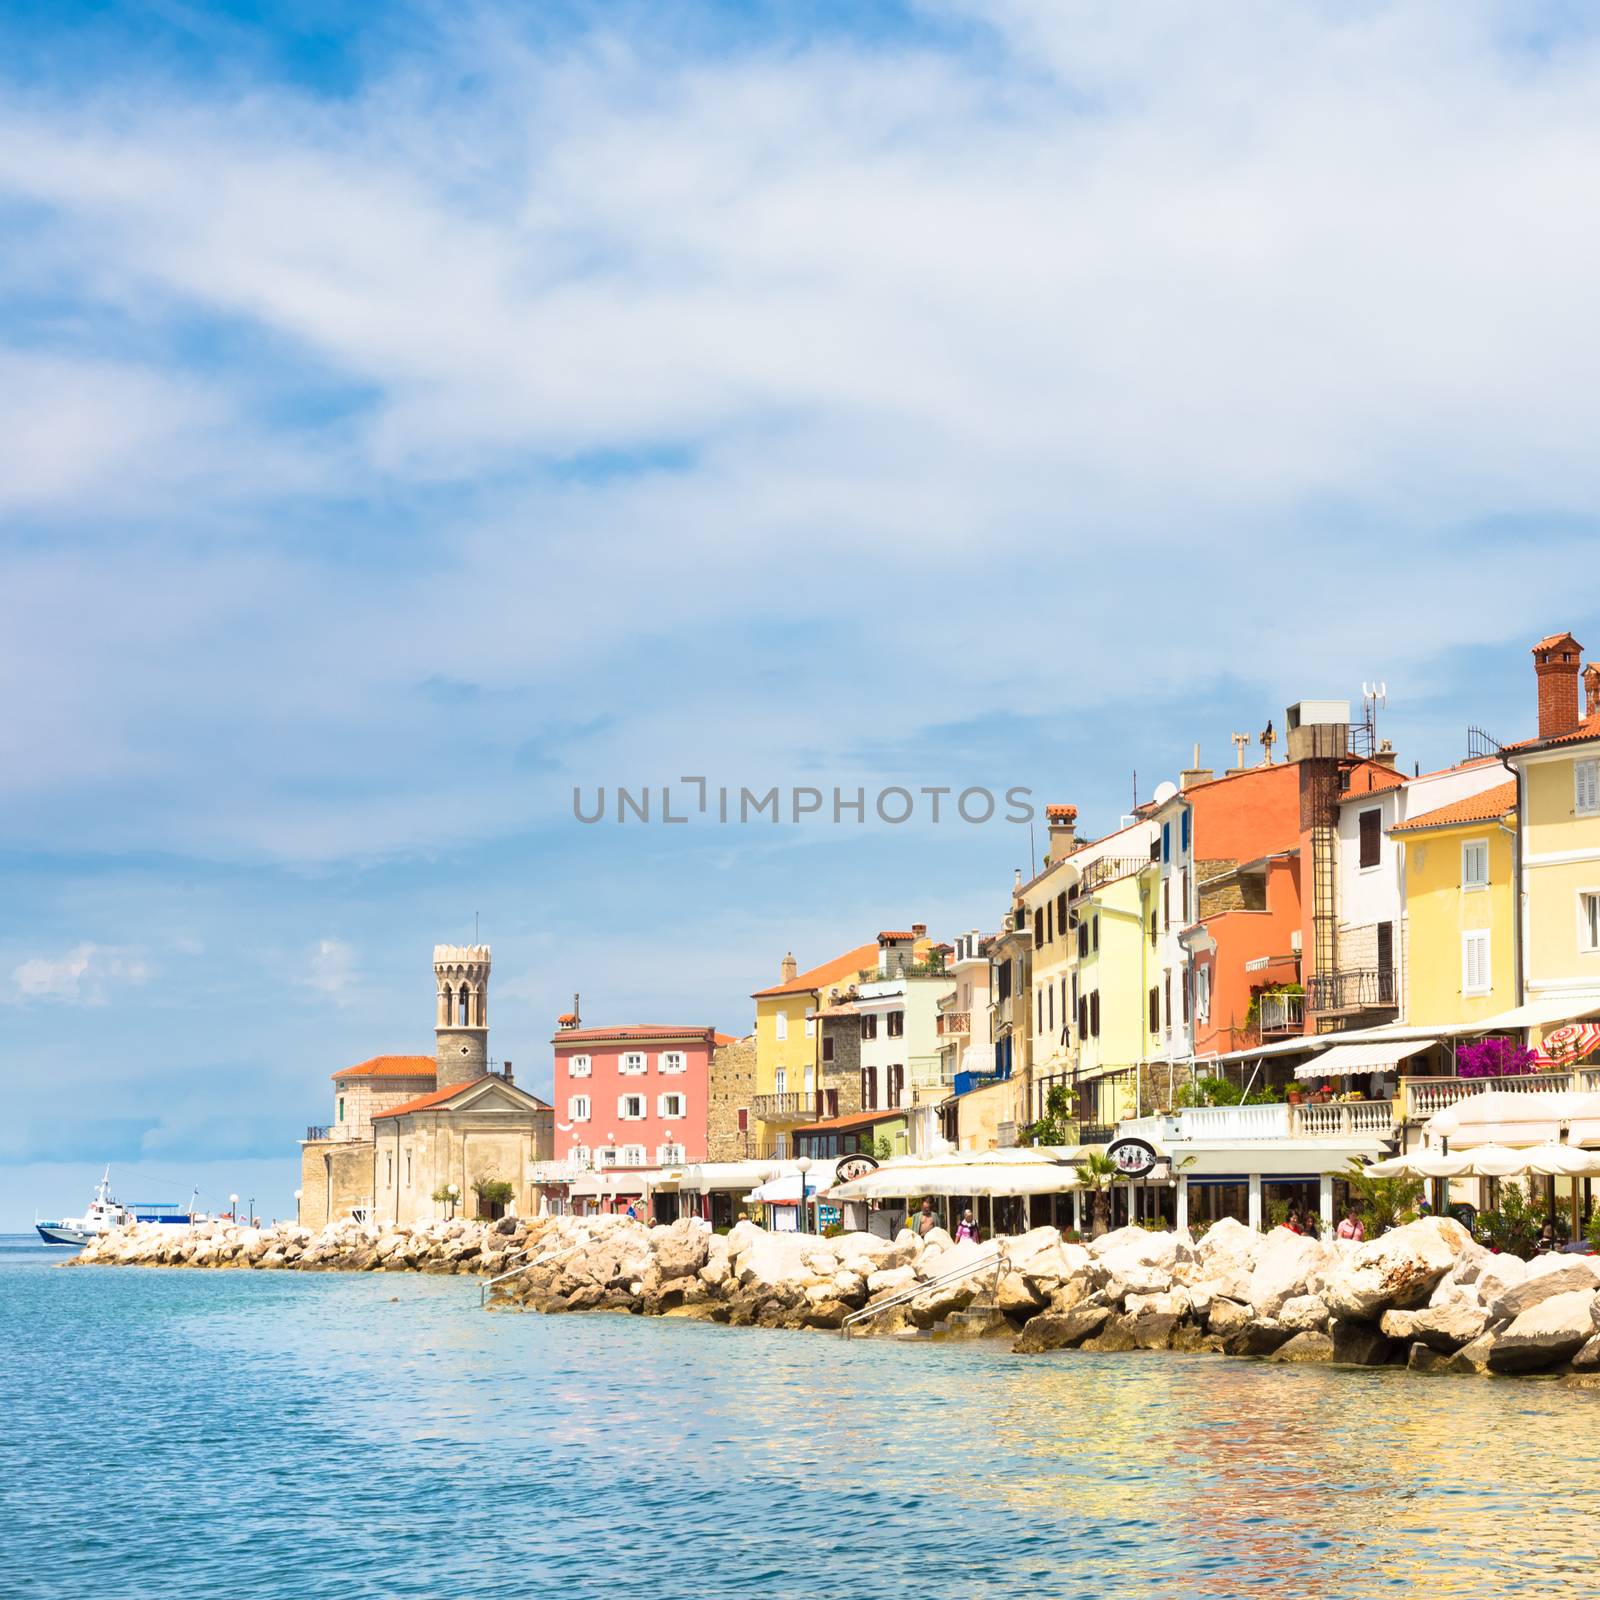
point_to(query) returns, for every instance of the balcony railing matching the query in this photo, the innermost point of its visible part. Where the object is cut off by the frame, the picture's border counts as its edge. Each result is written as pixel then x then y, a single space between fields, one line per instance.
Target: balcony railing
pixel 318 1131
pixel 1342 1119
pixel 955 1022
pixel 1105 870
pixel 1353 989
pixel 1338 1119
pixel 1425 1096
pixel 1282 1013
pixel 796 1105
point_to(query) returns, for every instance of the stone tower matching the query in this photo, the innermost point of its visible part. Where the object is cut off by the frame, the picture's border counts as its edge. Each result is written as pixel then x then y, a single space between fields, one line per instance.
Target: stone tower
pixel 461 1028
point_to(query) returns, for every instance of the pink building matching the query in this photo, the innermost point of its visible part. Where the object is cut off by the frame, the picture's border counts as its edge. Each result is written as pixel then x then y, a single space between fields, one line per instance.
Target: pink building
pixel 629 1100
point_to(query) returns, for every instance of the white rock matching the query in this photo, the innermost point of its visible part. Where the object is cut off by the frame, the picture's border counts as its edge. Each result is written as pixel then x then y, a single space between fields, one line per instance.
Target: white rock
pixel 1289 1265
pixel 1398 1269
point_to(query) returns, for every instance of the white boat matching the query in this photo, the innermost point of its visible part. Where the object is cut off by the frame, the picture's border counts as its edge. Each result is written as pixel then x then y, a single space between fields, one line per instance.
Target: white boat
pixel 103 1215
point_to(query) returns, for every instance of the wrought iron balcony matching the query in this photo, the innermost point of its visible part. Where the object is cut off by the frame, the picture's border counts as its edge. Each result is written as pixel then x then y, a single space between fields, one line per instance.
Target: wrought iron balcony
pixel 316 1132
pixel 1352 989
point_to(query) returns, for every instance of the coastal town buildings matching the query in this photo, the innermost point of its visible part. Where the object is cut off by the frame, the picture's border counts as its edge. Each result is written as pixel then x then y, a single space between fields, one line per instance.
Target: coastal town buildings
pixel 415 1138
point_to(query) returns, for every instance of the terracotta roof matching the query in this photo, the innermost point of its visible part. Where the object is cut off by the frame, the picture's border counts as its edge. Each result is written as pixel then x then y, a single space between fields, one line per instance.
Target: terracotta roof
pixel 391 1067
pixel 424 1101
pixel 864 956
pixel 1066 813
pixel 568 1016
pixel 720 1040
pixel 1551 640
pixel 856 1119
pixel 1484 807
pixel 631 1030
pixel 1589 728
pixel 896 934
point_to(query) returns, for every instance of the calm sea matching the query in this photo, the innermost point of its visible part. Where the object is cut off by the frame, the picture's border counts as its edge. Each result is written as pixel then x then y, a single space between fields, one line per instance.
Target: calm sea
pixel 233 1435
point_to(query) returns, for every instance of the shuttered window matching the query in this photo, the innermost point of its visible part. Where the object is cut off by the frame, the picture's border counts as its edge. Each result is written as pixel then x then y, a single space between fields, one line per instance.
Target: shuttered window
pixel 1371 837
pixel 1475 864
pixel 1475 962
pixel 1586 787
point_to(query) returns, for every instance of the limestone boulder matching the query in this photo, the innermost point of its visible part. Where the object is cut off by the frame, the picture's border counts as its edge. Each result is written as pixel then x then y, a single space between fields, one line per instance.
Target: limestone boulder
pixel 1359 1344
pixel 1545 1334
pixel 1228 1317
pixel 1399 1269
pixel 1287 1267
pixel 1061 1330
pixel 1309 1344
pixel 1229 1239
pixel 1142 1245
pixel 773 1258
pixel 1441 1327
pixel 1545 1278
pixel 1017 1295
pixel 681 1250
pixel 934 1305
pixel 890 1280
pixel 933 1239
pixel 1471 1358
pixel 1120 1277
pixel 1304 1313
pixel 968 1254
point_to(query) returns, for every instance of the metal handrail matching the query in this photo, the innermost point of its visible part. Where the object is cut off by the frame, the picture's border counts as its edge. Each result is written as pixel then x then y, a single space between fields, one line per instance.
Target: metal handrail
pixel 484 1288
pixel 912 1290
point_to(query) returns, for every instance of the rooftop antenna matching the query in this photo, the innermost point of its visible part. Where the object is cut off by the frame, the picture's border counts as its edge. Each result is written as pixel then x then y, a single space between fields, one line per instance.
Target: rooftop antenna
pixel 1033 857
pixel 1135 789
pixel 474 927
pixel 1374 698
pixel 1268 739
pixel 1240 742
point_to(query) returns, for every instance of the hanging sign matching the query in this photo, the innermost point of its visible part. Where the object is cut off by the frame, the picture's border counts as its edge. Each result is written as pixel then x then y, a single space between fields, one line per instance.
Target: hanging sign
pixel 1133 1158
pixel 853 1167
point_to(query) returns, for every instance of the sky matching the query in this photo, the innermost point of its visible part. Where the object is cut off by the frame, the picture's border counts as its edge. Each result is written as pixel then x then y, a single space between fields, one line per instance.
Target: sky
pixel 412 414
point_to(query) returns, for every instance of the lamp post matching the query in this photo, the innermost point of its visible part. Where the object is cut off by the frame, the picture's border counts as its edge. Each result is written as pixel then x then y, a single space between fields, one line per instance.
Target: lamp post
pixel 250 1211
pixel 233 1207
pixel 804 1164
pixel 454 1191
pixel 297 1207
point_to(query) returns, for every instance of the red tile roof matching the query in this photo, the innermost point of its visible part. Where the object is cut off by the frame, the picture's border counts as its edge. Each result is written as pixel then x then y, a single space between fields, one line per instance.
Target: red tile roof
pixel 1063 813
pixel 1484 807
pixel 1551 640
pixel 896 934
pixel 568 1016
pixel 863 958
pixel 721 1040
pixel 391 1067
pixel 423 1102
pixel 1589 728
pixel 856 1119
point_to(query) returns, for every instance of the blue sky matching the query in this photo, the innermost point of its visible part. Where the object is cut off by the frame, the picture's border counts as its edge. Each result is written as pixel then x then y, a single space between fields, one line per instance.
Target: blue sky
pixel 404 420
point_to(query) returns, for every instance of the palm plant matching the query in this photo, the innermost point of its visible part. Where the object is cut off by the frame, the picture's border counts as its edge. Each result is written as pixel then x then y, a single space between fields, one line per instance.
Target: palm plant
pixel 1384 1202
pixel 1097 1173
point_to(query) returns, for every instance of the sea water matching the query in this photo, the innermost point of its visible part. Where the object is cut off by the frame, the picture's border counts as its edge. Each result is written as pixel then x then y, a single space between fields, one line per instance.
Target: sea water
pixel 173 1433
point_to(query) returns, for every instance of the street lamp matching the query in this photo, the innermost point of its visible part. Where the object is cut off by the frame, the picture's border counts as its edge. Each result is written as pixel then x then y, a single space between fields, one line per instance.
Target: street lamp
pixel 804 1164
pixel 454 1191
pixel 250 1211
pixel 233 1206
pixel 297 1206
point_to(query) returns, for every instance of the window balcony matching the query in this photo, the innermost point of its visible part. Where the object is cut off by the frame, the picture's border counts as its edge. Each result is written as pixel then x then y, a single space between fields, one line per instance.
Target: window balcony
pixel 793 1107
pixel 955 1022
pixel 1352 989
pixel 1282 1014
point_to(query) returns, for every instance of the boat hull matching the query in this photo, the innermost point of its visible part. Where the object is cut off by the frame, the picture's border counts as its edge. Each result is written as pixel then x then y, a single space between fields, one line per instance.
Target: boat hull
pixel 57 1233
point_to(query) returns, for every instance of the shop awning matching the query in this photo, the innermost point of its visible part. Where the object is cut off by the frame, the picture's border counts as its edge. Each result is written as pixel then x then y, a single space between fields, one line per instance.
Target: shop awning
pixel 1493 1161
pixel 1017 1171
pixel 1541 1013
pixel 1343 1060
pixel 1533 1116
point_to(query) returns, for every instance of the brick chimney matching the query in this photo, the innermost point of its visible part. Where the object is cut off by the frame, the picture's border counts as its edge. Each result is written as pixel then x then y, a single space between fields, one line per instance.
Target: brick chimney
pixel 1063 821
pixel 1557 661
pixel 788 968
pixel 1194 773
pixel 1591 689
pixel 505 1072
pixel 919 930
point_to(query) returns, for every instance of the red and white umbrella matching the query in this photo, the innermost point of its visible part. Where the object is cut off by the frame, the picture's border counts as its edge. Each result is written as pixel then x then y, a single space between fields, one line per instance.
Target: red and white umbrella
pixel 1570 1044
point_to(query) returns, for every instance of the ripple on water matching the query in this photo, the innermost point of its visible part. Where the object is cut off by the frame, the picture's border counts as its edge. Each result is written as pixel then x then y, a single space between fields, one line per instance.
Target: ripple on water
pixel 236 1435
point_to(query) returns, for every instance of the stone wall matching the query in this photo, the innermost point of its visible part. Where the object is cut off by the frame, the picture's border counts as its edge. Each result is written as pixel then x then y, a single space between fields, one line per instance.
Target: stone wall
pixel 843 1073
pixel 730 1087
pixel 335 1178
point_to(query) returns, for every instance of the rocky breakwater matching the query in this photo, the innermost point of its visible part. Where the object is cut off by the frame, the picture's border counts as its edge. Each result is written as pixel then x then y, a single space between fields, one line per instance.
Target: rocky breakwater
pixel 484 1248
pixel 1425 1295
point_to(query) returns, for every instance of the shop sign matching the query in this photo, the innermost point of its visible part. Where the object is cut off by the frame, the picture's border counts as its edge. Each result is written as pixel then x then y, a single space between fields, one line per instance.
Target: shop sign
pixel 1133 1158
pixel 853 1167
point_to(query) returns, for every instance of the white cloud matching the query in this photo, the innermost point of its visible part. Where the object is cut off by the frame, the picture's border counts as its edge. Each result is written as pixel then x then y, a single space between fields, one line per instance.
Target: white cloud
pixel 332 969
pixel 81 976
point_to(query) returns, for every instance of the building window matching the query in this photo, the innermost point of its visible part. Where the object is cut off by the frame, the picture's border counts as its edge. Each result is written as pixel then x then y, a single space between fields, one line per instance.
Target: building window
pixel 408 1169
pixel 869 1088
pixel 1094 935
pixel 630 1107
pixel 1094 1014
pixel 1475 962
pixel 897 1024
pixel 1038 1004
pixel 341 1108
pixel 1050 1008
pixel 897 1085
pixel 1166 841
pixel 633 1062
pixel 578 1108
pixel 1202 993
pixel 1038 927
pixel 1586 787
pixel 580 1155
pixel 1589 920
pixel 672 1061
pixel 781 1021
pixel 811 1024
pixel 388 1170
pixel 1371 825
pixel 670 1106
pixel 827 1047
pixel 1083 939
pixel 633 1155
pixel 1155 1009
pixel 578 1066
pixel 780 1080
pixel 1166 989
pixel 1155 923
pixel 1475 864
pixel 1183 823
pixel 869 1027
pixel 670 1155
pixel 606 1157
pixel 1083 1017
pixel 1061 913
pixel 1166 904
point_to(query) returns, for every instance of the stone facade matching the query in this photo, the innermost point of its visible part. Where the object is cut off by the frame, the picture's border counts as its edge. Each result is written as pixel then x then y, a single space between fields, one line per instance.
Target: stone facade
pixel 731 1086
pixel 842 1033
pixel 335 1180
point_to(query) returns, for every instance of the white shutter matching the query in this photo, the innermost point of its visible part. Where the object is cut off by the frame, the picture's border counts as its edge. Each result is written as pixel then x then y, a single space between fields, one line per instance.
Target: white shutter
pixel 1586 786
pixel 1475 962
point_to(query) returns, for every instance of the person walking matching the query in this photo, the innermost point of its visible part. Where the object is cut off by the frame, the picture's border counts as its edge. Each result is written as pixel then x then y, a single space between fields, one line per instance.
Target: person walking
pixel 926 1221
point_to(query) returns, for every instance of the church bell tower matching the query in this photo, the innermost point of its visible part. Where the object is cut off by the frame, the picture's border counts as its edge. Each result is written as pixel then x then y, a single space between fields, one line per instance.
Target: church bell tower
pixel 461 1028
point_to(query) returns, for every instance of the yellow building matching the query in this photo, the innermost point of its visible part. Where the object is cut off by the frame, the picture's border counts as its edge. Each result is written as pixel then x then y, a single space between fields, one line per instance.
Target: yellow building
pixel 1458 872
pixel 786 1044
pixel 1559 777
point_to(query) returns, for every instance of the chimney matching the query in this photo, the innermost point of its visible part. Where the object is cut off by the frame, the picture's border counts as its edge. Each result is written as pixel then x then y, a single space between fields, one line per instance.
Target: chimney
pixel 1194 773
pixel 1591 689
pixel 1063 821
pixel 1557 661
pixel 505 1072
pixel 919 930
pixel 1385 756
pixel 1016 878
pixel 787 968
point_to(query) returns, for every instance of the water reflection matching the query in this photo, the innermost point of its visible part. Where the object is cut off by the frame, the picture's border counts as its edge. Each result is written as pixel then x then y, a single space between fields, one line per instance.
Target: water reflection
pixel 313 1436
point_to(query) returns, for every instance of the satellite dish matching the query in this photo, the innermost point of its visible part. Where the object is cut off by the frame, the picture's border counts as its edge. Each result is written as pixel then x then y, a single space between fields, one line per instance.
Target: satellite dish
pixel 1164 792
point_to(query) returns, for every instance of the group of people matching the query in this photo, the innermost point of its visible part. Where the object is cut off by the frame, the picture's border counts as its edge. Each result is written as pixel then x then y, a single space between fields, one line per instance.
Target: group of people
pixel 928 1219
pixel 1304 1220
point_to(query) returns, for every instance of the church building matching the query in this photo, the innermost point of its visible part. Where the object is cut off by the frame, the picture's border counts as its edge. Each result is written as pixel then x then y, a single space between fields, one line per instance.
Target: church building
pixel 421 1138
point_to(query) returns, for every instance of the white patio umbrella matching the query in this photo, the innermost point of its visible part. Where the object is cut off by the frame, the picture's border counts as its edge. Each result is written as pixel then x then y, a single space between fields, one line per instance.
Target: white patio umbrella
pixel 1493 1161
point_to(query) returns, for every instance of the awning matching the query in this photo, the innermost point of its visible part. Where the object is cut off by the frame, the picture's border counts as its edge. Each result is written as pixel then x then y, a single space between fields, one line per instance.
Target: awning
pixel 1021 1170
pixel 1343 1060
pixel 1521 1118
pixel 1493 1161
pixel 784 1191
pixel 1541 1013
